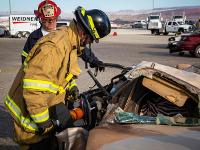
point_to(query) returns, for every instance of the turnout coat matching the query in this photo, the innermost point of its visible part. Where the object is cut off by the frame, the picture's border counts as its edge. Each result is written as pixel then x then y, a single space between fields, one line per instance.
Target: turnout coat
pixel 41 82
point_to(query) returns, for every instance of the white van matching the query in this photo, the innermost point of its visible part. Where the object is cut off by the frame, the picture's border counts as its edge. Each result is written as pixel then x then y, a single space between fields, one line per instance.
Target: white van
pixel 23 25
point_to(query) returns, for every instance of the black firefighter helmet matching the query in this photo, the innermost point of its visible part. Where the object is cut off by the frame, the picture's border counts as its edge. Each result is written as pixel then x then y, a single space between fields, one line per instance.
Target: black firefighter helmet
pixel 95 22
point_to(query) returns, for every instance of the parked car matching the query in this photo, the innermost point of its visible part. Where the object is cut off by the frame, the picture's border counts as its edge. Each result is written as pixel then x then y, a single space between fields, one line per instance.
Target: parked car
pixel 139 24
pixel 186 42
pixel 175 26
pixel 190 22
pixel 4 31
pixel 1 32
pixel 172 41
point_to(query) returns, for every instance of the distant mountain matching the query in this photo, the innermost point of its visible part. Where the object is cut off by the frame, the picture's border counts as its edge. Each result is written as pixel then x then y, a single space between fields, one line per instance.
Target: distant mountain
pixel 191 12
pixel 124 16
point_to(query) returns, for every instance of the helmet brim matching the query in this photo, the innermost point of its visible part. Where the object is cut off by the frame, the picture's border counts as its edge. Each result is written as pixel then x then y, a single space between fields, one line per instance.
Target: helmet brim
pixel 36 13
pixel 84 22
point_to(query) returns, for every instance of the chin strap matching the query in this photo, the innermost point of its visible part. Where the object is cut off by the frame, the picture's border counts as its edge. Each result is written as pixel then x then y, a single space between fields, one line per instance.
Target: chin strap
pixel 86 65
pixel 86 62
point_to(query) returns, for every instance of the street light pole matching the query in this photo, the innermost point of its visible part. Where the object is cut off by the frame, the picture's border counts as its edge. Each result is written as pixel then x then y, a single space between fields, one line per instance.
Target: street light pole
pixel 10 6
pixel 153 4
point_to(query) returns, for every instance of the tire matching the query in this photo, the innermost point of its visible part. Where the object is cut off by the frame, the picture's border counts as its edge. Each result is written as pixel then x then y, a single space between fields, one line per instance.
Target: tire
pixel 197 51
pixel 26 35
pixel 19 35
pixel 170 51
pixel 157 32
pixel 165 33
pixel 192 53
pixel 181 53
pixel 181 30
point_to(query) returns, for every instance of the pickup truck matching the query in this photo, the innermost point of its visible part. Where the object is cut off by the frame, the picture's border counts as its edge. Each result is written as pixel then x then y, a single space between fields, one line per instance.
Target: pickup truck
pixel 175 26
pixel 172 26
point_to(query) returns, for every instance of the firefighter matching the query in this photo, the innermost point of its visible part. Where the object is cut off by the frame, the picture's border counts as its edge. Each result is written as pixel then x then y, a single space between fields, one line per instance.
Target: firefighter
pixel 198 24
pixel 48 13
pixel 37 96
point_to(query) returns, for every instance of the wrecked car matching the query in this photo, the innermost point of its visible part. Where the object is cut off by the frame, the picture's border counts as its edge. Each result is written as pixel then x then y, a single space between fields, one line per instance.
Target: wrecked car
pixel 185 43
pixel 147 106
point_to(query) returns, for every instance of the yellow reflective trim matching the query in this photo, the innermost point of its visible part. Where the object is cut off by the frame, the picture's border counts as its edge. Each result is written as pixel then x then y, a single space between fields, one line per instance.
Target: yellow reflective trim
pixel 69 77
pixel 25 63
pixel 15 110
pixel 61 90
pixel 92 26
pixel 40 85
pixel 38 81
pixel 83 11
pixel 26 123
pixel 41 117
pixel 25 54
pixel 71 85
pixel 40 88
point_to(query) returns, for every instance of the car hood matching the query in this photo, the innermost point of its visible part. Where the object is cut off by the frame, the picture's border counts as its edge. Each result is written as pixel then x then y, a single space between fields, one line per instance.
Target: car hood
pixel 185 26
pixel 142 137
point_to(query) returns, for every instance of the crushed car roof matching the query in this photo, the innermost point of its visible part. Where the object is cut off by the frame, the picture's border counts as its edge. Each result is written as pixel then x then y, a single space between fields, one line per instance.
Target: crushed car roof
pixel 188 79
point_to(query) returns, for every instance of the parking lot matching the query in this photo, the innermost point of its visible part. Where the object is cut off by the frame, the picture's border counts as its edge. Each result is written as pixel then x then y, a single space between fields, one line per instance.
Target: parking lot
pixel 128 47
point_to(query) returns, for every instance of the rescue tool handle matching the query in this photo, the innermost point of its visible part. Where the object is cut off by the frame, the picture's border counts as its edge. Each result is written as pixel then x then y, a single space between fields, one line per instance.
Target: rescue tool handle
pixel 97 83
pixel 111 65
pixel 117 66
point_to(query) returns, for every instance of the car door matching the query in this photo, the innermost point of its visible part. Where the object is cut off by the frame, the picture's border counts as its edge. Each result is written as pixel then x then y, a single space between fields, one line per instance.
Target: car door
pixel 1 32
pixel 174 26
pixel 169 26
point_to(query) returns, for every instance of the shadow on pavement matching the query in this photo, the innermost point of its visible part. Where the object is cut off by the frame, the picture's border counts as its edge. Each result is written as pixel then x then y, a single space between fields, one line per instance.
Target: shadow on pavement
pixel 159 46
pixel 156 53
pixel 6 131
pixel 167 54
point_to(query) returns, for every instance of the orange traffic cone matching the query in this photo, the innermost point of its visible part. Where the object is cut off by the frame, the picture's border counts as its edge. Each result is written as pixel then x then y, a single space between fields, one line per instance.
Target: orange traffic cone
pixel 115 34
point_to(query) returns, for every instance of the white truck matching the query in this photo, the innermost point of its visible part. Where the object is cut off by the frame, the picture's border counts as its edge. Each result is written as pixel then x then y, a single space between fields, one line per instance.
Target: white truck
pixel 175 26
pixel 22 25
pixel 179 18
pixel 155 24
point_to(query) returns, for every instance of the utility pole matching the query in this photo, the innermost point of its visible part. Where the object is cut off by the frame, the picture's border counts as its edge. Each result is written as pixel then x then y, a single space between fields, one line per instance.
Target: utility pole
pixel 153 3
pixel 10 7
pixel 9 14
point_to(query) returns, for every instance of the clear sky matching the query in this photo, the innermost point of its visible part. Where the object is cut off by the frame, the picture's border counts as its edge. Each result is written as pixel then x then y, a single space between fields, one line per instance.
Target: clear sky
pixel 106 5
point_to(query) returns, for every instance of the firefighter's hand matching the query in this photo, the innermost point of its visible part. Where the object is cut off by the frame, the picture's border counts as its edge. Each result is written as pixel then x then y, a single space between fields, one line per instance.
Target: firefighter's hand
pixel 98 65
pixel 72 94
pixel 44 127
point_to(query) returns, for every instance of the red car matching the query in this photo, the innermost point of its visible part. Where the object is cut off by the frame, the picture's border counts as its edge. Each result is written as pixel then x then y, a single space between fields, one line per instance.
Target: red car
pixel 190 43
